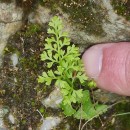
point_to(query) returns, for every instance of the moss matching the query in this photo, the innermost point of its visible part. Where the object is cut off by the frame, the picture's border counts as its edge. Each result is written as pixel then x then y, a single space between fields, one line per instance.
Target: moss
pixel 86 14
pixel 21 91
pixel 32 29
pixel 123 119
pixel 122 8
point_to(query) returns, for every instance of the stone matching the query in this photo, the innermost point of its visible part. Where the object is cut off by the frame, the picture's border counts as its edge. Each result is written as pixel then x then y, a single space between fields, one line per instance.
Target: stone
pixel 11 118
pixel 50 122
pixel 3 111
pixel 14 59
pixel 100 25
pixel 10 13
pixel 10 22
pixel 53 100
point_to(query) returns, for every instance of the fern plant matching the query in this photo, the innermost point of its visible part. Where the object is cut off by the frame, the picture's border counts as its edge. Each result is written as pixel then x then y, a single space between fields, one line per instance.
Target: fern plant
pixel 66 70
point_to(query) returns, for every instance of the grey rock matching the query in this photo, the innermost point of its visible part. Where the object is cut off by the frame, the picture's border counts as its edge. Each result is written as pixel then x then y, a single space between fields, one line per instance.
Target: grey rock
pixel 14 59
pixel 3 111
pixel 107 97
pixel 10 13
pixel 53 100
pixel 50 122
pixel 115 28
pixel 10 22
pixel 11 118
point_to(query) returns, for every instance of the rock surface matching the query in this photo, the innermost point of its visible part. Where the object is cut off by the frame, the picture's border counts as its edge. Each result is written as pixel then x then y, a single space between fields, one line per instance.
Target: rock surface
pixel 53 100
pixel 50 122
pixel 3 111
pixel 93 22
pixel 10 22
pixel 87 23
pixel 110 27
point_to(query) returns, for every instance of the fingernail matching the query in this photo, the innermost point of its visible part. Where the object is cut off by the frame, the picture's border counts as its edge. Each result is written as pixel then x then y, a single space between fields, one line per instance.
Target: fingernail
pixel 92 59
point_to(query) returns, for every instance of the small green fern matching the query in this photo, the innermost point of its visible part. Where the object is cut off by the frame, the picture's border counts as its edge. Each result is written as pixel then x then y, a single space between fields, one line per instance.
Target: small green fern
pixel 66 70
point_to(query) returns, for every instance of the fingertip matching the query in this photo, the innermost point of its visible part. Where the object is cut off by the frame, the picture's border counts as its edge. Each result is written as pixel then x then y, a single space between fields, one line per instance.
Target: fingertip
pixel 92 59
pixel 106 64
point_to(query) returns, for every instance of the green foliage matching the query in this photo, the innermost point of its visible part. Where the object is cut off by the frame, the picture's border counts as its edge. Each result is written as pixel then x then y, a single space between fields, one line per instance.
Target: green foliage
pixel 91 84
pixel 66 70
pixel 32 29
pixel 89 110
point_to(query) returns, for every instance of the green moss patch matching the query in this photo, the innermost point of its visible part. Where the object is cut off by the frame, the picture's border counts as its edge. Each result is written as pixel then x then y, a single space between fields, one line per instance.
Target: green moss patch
pixel 122 8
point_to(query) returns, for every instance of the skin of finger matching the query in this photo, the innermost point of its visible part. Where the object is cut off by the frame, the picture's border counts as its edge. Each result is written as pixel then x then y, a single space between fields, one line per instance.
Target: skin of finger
pixel 115 72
